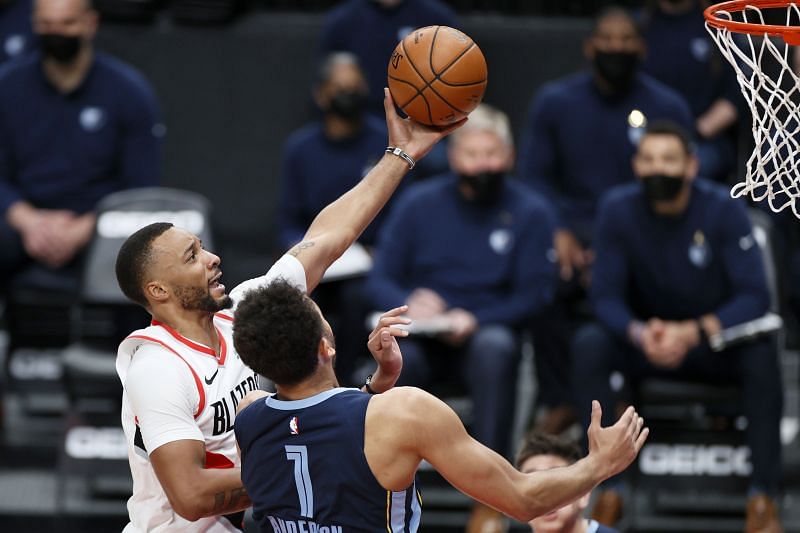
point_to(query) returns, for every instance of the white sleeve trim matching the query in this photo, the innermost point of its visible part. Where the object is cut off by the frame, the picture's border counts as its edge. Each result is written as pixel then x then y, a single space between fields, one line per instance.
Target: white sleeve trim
pixel 163 396
pixel 288 268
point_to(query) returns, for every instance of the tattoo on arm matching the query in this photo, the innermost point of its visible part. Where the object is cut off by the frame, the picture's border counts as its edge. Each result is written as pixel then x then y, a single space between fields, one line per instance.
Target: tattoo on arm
pixel 220 507
pixel 300 247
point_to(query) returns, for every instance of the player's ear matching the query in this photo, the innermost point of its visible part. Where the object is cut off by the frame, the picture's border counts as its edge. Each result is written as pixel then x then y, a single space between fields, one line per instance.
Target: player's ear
pixel 156 292
pixel 325 348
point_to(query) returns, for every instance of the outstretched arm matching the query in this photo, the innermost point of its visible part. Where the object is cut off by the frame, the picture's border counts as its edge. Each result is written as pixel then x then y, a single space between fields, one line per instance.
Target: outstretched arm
pixel 338 225
pixel 428 429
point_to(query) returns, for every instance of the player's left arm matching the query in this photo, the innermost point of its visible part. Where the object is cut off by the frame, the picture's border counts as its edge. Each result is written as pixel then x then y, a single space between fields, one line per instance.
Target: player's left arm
pixel 339 224
pixel 193 490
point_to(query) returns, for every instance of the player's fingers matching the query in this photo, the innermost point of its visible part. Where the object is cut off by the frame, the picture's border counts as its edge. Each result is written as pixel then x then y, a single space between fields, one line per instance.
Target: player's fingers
pixel 626 417
pixel 631 429
pixel 391 320
pixel 641 439
pixel 396 311
pixel 597 413
pixel 395 332
pixel 388 103
pixel 639 426
pixel 447 130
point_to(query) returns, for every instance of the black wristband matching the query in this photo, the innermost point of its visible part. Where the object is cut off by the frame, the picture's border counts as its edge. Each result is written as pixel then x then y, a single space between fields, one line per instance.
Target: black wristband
pixel 367 383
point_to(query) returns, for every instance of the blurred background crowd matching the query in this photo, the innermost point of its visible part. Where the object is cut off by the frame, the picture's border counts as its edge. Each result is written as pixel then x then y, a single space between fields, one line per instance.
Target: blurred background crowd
pixel 576 240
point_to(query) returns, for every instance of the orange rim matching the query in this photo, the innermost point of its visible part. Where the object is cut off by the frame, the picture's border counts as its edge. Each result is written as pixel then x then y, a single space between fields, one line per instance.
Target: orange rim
pixel 790 34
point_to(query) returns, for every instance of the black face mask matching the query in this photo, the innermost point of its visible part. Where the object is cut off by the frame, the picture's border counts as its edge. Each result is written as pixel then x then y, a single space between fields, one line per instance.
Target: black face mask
pixel 662 188
pixel 617 68
pixel 348 105
pixel 486 187
pixel 62 48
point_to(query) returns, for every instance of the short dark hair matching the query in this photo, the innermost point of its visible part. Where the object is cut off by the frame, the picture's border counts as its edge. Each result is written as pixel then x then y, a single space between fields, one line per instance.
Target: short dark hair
pixel 545 444
pixel 667 127
pixel 277 332
pixel 133 259
pixel 615 11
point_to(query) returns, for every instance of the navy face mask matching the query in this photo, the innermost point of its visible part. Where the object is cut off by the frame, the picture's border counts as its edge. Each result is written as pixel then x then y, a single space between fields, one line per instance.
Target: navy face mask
pixel 486 187
pixel 62 48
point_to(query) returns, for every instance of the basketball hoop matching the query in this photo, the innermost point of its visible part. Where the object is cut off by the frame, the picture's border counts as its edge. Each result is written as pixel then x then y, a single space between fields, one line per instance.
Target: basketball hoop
pixel 760 55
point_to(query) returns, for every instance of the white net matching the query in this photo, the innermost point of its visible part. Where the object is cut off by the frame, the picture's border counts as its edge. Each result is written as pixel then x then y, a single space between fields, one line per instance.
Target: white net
pixel 767 74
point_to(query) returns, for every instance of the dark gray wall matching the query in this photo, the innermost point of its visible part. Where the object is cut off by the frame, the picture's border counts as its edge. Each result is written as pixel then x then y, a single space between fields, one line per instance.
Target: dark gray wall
pixel 231 96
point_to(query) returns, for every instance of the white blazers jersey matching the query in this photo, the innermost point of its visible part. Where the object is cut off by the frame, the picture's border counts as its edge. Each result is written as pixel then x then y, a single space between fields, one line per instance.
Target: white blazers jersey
pixel 220 381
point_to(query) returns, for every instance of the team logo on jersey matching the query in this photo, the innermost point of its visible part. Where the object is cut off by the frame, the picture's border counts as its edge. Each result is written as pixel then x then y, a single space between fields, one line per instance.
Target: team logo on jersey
pixel 293 428
pixel 699 250
pixel 14 45
pixel 501 241
pixel 92 118
pixel 700 48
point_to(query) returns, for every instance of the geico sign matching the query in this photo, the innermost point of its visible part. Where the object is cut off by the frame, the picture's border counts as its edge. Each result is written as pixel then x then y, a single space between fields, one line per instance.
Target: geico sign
pixel 85 442
pixel 121 224
pixel 695 460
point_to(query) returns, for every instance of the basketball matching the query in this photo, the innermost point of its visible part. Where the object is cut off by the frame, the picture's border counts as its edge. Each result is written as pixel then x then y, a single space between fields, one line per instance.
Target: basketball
pixel 437 75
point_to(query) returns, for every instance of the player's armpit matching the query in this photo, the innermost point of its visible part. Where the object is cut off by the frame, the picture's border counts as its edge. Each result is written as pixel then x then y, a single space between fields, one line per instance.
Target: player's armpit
pixel 425 428
pixel 194 491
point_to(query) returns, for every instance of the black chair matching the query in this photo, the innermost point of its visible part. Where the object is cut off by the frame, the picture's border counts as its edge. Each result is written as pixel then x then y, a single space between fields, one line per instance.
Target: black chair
pixel 94 444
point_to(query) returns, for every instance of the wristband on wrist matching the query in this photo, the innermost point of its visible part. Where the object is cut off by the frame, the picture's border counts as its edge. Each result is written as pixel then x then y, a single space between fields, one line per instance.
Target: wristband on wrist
pixel 402 155
pixel 367 383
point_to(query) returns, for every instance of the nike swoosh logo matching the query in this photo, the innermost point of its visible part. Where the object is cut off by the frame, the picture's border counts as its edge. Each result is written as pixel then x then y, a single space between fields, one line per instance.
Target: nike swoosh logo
pixel 210 380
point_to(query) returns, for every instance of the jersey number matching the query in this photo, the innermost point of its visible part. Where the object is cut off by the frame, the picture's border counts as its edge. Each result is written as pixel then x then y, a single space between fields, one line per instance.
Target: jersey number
pixel 299 455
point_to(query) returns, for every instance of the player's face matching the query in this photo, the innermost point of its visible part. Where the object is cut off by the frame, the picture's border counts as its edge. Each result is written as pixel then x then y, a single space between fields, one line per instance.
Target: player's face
pixel 664 155
pixel 616 34
pixel 64 17
pixel 479 151
pixel 345 78
pixel 564 519
pixel 189 272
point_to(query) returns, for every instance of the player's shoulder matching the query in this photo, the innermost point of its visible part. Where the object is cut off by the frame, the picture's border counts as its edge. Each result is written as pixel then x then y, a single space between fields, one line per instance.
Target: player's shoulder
pixel 152 359
pixel 660 92
pixel 564 88
pixel 122 74
pixel 402 402
pixel 618 201
pixel 300 138
pixel 431 190
pixel 19 71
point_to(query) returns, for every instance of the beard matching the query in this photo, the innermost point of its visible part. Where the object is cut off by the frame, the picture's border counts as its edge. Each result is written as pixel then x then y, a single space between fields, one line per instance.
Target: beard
pixel 198 299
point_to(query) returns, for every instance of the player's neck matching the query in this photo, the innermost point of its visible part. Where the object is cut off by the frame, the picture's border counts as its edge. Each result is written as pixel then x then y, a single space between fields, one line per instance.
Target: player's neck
pixel 67 78
pixel 337 128
pixel 320 381
pixel 197 326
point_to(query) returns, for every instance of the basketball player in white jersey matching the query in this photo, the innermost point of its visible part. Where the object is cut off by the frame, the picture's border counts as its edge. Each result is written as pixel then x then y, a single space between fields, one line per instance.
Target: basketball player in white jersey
pixel 181 376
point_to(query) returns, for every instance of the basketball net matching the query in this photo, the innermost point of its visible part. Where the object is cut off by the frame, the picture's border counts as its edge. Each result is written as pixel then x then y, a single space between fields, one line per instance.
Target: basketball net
pixel 763 62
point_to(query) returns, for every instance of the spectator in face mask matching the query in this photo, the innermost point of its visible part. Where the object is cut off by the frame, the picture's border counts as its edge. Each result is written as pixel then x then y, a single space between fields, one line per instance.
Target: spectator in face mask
pixel 469 252
pixel 75 125
pixel 16 37
pixel 322 161
pixel 580 135
pixel 677 262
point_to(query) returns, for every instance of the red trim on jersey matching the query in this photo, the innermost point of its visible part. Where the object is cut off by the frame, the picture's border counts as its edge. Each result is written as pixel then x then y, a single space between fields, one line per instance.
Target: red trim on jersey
pixel 200 389
pixel 223 349
pixel 216 460
pixel 226 317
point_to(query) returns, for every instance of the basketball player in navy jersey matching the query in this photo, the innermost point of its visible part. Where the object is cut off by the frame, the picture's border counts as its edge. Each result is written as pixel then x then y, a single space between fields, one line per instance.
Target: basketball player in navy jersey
pixel 181 376
pixel 316 457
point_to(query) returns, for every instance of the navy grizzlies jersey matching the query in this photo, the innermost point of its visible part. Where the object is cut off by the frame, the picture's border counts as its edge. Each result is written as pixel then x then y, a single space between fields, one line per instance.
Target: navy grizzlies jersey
pixel 304 468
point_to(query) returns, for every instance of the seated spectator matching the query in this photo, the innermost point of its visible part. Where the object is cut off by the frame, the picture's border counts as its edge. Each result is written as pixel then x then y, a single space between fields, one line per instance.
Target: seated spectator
pixel 543 452
pixel 322 161
pixel 682 55
pixel 75 125
pixel 470 250
pixel 371 29
pixel 581 133
pixel 16 37
pixel 676 263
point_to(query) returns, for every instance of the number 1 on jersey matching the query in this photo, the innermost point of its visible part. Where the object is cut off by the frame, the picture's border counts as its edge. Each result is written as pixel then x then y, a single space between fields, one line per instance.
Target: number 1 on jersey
pixel 299 455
